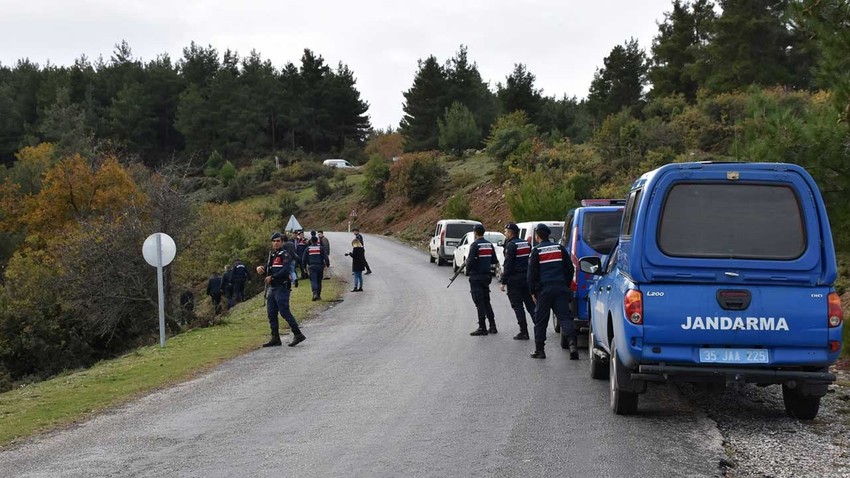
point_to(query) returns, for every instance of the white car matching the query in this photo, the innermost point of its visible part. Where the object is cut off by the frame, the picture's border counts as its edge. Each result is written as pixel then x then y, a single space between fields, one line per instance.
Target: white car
pixel 338 163
pixel 462 250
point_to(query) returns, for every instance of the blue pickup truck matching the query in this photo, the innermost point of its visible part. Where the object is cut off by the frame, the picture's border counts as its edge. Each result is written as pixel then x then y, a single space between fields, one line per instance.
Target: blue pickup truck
pixel 723 273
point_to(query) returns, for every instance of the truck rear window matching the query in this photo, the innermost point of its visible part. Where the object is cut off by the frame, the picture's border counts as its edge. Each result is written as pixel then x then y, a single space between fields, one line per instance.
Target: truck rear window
pixel 600 230
pixel 736 221
pixel 458 230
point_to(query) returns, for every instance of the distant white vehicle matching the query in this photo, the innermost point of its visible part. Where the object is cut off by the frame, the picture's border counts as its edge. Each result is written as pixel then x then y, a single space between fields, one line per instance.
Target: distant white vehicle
pixel 462 250
pixel 526 230
pixel 447 235
pixel 338 163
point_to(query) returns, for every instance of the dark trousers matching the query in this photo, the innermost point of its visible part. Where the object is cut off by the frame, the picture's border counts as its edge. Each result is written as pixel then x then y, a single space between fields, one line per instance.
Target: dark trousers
pixel 553 298
pixel 480 290
pixel 277 301
pixel 239 290
pixel 216 298
pixel 316 278
pixel 519 296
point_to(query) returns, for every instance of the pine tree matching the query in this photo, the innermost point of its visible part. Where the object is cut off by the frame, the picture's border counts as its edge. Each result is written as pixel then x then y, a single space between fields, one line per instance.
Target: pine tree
pixel 458 130
pixel 620 82
pixel 519 93
pixel 423 106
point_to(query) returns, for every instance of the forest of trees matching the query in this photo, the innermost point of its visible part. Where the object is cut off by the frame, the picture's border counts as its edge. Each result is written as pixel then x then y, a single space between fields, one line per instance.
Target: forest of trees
pixel 101 154
pixel 204 102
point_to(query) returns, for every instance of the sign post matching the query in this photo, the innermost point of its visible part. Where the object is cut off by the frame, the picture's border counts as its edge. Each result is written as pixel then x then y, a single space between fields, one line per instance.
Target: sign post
pixel 351 217
pixel 159 250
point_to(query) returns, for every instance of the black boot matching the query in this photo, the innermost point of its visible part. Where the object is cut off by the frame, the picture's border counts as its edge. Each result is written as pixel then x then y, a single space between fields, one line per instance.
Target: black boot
pixel 523 332
pixel 493 329
pixel 297 336
pixel 315 296
pixel 479 331
pixel 538 350
pixel 573 349
pixel 275 340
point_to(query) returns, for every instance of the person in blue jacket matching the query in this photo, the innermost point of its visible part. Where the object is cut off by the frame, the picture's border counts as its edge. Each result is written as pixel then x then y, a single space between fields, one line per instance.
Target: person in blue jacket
pixel 482 255
pixel 550 272
pixel 277 277
pixel 316 260
pixel 515 278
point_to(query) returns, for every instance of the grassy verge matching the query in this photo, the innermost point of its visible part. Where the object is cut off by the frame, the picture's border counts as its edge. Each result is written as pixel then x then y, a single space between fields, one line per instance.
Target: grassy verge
pixel 75 396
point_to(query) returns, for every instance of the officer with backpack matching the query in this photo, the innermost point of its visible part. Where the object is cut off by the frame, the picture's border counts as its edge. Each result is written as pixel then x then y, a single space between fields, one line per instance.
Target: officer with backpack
pixel 239 276
pixel 481 257
pixel 550 272
pixel 515 278
pixel 277 270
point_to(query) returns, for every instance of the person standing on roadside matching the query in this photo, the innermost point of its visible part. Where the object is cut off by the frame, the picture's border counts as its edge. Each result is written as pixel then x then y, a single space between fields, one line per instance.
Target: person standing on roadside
pixel 316 261
pixel 481 257
pixel 515 277
pixel 550 272
pixel 300 246
pixel 358 263
pixel 326 248
pixel 227 285
pixel 277 272
pixel 239 277
pixel 359 238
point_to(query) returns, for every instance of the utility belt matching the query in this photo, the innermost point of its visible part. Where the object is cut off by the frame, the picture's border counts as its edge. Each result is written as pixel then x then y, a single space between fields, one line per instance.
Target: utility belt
pixel 286 285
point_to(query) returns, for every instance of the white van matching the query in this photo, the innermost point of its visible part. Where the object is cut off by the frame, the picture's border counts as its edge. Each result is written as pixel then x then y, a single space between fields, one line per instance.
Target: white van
pixel 337 163
pixel 447 235
pixel 526 230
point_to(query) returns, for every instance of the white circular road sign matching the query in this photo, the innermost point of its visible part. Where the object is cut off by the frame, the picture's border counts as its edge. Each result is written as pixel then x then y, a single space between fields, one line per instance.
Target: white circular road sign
pixel 167 246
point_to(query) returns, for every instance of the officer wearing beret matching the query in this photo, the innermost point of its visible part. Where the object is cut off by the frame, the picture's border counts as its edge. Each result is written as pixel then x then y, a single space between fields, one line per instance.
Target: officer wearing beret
pixel 515 278
pixel 277 271
pixel 550 272
pixel 481 257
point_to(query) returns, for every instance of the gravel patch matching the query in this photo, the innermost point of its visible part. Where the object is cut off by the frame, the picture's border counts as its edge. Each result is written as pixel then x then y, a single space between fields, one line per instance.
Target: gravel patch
pixel 762 441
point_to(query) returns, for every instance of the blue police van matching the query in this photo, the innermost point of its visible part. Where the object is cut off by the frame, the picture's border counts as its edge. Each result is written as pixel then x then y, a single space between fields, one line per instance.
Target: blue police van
pixel 723 273
pixel 590 230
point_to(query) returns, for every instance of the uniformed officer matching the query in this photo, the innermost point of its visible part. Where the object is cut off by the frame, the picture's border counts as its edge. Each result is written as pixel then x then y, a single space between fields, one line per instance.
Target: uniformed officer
pixel 481 257
pixel 239 276
pixel 549 274
pixel 277 270
pixel 316 260
pixel 515 277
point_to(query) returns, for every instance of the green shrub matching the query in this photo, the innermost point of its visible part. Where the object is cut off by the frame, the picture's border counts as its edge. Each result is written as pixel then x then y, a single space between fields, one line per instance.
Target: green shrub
pixel 457 206
pixel 457 129
pixel 540 196
pixel 507 133
pixel 288 204
pixel 323 188
pixel 377 173
pixel 262 170
pixel 214 164
pixel 463 179
pixel 416 176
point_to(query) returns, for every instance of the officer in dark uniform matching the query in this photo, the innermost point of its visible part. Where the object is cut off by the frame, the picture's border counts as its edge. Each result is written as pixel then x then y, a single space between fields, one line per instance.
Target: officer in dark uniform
pixel 316 260
pixel 300 246
pixel 515 277
pixel 239 276
pixel 277 270
pixel 214 291
pixel 481 257
pixel 227 285
pixel 549 274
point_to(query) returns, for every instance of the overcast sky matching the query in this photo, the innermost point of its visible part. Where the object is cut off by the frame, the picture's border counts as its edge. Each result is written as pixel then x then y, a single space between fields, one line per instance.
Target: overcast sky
pixel 561 42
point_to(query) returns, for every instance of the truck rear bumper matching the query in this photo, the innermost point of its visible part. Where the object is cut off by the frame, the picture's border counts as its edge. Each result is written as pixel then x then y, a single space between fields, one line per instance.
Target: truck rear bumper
pixel 660 373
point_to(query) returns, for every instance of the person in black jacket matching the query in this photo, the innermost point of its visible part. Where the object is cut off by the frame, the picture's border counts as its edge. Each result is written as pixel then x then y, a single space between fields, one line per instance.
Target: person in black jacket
pixel 277 270
pixel 358 263
pixel 214 291
pixel 227 285
pixel 550 272
pixel 359 237
pixel 239 276
pixel 316 260
pixel 481 257
pixel 515 277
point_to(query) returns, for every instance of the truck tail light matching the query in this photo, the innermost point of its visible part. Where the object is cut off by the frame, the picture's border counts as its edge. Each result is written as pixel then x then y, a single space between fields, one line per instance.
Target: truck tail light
pixel 834 346
pixel 634 306
pixel 835 314
pixel 443 238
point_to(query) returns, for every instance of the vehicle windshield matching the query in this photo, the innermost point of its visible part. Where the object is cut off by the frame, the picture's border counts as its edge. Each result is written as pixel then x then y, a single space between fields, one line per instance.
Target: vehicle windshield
pixel 600 230
pixel 458 230
pixel 494 237
pixel 735 221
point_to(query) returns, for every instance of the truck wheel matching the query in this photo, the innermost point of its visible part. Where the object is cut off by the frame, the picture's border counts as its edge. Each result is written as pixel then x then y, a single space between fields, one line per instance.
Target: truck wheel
pixel 597 367
pixel 431 258
pixel 622 402
pixel 440 261
pixel 797 405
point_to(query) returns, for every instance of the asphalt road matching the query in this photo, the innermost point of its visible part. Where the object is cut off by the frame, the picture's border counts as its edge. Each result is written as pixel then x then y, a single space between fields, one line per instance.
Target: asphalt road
pixel 389 383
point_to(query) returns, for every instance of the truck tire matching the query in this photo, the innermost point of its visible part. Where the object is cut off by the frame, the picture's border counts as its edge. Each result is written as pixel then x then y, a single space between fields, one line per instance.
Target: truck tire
pixel 597 367
pixel 622 402
pixel 431 258
pixel 797 405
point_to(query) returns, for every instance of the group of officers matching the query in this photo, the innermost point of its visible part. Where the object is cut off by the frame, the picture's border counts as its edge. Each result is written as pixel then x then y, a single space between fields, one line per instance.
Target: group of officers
pixel 537 279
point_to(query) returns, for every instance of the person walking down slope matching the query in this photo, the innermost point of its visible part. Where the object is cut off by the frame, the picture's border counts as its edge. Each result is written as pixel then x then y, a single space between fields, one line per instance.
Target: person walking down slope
pixel 358 263
pixel 359 237
pixel 277 271
pixel 515 277
pixel 214 291
pixel 239 276
pixel 550 272
pixel 227 285
pixel 316 261
pixel 481 257
pixel 326 248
